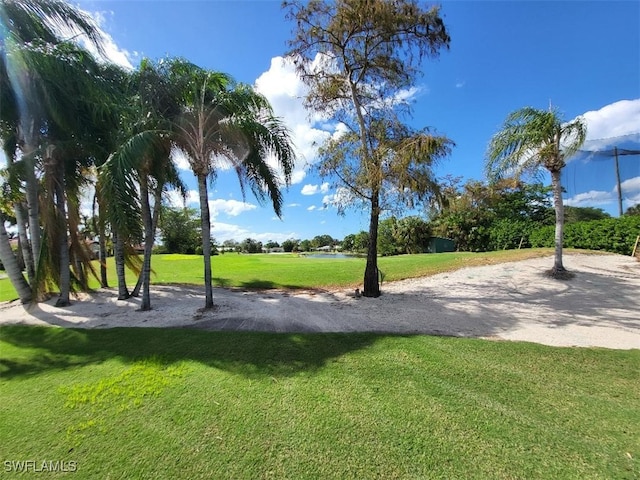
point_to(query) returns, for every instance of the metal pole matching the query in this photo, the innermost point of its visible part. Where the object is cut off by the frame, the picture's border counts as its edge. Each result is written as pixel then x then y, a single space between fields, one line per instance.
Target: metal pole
pixel 615 151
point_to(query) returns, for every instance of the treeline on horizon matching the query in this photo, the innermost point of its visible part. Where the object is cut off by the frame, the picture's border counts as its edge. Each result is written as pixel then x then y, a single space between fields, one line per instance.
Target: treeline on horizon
pixel 477 216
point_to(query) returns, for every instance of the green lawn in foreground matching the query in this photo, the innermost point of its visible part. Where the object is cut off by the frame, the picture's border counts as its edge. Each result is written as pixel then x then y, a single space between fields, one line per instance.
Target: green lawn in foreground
pixel 293 271
pixel 175 403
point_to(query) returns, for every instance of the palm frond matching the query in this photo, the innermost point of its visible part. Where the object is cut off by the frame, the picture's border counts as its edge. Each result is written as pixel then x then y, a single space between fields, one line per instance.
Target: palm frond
pixel 526 143
pixel 118 182
pixel 47 20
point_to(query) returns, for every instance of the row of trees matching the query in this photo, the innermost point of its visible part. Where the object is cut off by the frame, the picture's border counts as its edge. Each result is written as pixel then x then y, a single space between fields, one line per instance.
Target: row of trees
pixel 64 115
pixel 477 216
pixel 68 120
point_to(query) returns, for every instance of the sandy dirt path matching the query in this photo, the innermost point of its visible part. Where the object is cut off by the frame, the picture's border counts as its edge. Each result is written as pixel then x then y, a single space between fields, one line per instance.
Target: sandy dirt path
pixel 511 301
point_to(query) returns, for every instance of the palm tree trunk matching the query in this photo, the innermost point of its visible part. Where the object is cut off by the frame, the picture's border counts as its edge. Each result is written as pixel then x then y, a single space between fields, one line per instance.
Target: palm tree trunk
pixel 102 243
pixel 206 239
pixel 33 210
pixel 558 267
pixel 27 255
pixel 80 272
pixel 11 266
pixel 123 292
pixel 371 277
pixel 150 241
pixel 63 239
pixel 145 274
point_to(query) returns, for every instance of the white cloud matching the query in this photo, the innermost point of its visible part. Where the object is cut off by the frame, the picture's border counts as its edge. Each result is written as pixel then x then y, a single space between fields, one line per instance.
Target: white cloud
pixel 294 205
pixel 460 84
pixel 180 159
pixel 228 231
pixel 311 208
pixel 285 91
pixel 309 189
pixel 340 200
pixel 174 199
pixel 232 208
pixel 630 194
pixel 631 185
pixel 339 131
pixel 111 52
pixel 313 189
pixel 591 198
pixel 613 120
pixel 298 176
pixel 406 95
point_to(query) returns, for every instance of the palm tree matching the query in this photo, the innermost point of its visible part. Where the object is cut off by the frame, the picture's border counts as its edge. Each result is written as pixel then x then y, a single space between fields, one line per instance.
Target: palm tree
pixel 211 120
pixel 143 160
pixel 75 112
pixel 223 122
pixel 529 141
pixel 31 29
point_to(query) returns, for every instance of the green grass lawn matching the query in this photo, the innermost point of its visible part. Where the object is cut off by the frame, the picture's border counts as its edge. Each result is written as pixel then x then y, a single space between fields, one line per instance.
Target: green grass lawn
pixel 293 271
pixel 172 403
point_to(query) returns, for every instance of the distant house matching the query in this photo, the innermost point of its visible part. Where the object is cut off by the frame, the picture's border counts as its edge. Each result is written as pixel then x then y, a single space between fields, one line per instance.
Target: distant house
pixel 273 250
pixel 94 248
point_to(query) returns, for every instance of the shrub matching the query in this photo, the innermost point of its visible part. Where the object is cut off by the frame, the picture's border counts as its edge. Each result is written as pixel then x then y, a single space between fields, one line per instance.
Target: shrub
pixel 616 235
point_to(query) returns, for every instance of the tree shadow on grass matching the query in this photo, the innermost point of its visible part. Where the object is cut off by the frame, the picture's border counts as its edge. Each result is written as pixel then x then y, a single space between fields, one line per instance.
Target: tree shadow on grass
pixel 255 284
pixel 278 333
pixel 251 354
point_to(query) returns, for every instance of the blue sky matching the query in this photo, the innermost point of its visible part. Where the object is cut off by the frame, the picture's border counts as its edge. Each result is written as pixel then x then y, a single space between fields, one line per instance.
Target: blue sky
pixel 583 57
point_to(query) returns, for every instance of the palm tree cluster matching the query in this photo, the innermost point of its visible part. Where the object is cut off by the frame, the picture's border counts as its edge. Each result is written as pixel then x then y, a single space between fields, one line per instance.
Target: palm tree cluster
pixel 69 121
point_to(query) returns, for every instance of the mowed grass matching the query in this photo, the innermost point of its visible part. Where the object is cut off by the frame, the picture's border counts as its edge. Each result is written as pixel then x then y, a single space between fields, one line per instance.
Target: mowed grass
pixel 172 403
pixel 300 272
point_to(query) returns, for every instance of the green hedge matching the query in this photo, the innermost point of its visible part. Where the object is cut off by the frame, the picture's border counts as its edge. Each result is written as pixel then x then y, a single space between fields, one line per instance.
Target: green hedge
pixel 616 235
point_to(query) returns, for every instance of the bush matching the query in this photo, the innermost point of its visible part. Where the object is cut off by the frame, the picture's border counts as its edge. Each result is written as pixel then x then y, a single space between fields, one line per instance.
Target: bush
pixel 507 234
pixel 616 235
pixel 159 250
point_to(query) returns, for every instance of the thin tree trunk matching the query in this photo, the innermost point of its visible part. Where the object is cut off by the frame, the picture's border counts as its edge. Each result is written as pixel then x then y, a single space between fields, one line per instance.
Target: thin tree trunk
pixel 371 283
pixel 150 241
pixel 27 255
pixel 11 266
pixel 63 239
pixel 82 276
pixel 145 274
pixel 558 267
pixel 371 277
pixel 33 209
pixel 19 255
pixel 206 239
pixel 102 243
pixel 102 255
pixel 136 290
pixel 27 135
pixel 123 292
